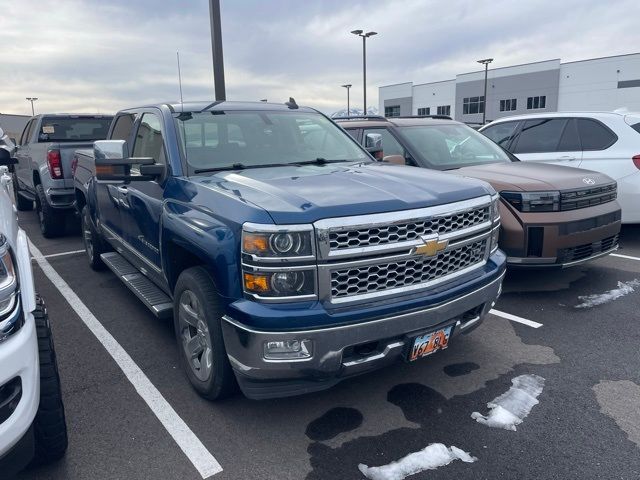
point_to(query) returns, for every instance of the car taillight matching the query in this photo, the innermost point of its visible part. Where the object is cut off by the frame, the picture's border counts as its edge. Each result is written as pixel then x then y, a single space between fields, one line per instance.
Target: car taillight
pixel 636 161
pixel 55 164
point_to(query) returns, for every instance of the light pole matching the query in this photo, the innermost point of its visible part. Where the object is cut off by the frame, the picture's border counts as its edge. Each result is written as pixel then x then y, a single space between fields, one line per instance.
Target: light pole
pixel 348 86
pixel 32 99
pixel 364 36
pixel 485 62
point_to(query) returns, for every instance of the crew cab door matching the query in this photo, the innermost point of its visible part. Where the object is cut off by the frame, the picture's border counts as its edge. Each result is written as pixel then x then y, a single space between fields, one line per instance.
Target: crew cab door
pixel 24 170
pixel 141 200
pixel 108 194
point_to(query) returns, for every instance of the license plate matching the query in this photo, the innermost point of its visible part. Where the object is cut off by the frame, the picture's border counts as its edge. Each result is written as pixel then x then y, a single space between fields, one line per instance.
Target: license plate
pixel 425 345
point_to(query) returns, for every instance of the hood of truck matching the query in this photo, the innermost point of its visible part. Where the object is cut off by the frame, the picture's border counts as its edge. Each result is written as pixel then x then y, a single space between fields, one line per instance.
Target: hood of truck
pixel 304 194
pixel 530 176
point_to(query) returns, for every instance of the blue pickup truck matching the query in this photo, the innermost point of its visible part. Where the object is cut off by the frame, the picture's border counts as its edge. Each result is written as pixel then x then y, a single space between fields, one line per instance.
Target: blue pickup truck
pixel 287 256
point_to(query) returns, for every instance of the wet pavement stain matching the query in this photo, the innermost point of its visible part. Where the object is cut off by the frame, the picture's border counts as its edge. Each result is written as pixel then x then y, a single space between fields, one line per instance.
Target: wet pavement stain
pixel 333 422
pixel 458 369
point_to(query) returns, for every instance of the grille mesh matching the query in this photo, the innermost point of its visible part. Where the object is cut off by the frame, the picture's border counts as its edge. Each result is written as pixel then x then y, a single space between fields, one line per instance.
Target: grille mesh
pixel 401 232
pixel 385 276
pixel 587 197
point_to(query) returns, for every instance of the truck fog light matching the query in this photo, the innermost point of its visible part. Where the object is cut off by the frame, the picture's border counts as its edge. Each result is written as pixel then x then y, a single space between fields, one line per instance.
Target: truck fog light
pixel 288 349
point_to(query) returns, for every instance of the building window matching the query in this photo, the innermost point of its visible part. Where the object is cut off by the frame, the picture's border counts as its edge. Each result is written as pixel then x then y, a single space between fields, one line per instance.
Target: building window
pixel 424 111
pixel 471 105
pixel 444 110
pixel 393 111
pixel 508 105
pixel 534 103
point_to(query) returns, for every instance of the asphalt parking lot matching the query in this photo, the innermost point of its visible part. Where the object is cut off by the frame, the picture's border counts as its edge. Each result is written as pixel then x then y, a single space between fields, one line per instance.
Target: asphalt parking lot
pixel 587 424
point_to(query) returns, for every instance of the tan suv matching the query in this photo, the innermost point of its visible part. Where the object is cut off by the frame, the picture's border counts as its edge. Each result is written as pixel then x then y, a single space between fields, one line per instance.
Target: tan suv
pixel 551 215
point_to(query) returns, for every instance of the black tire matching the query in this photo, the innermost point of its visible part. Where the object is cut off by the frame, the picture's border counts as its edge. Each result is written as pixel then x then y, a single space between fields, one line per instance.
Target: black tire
pixel 221 382
pixel 23 204
pixel 49 426
pixel 52 224
pixel 94 244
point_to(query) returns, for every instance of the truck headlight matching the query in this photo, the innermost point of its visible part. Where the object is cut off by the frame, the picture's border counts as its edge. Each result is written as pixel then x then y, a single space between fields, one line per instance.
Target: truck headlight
pixel 279 262
pixel 10 315
pixel 533 201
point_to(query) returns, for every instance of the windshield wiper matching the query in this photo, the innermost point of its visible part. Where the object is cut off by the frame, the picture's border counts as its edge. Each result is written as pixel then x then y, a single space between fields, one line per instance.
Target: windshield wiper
pixel 241 166
pixel 322 161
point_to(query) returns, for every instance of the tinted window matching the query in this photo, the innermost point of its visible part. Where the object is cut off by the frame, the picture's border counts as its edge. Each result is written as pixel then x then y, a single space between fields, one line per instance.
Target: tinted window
pixel 501 133
pixel 149 141
pixel 636 127
pixel 594 135
pixel 540 135
pixel 73 129
pixel 123 126
pixel 390 146
pixel 570 140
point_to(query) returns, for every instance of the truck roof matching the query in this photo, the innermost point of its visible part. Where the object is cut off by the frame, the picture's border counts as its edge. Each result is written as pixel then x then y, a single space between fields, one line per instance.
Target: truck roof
pixel 209 106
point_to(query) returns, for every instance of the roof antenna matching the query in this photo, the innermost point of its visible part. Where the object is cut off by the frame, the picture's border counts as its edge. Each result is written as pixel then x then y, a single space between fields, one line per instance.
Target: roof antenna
pixel 180 83
pixel 291 103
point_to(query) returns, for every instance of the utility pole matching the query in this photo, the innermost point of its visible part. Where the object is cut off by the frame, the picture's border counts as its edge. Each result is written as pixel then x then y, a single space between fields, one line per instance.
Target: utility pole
pixel 486 63
pixel 32 99
pixel 364 36
pixel 348 86
pixel 216 50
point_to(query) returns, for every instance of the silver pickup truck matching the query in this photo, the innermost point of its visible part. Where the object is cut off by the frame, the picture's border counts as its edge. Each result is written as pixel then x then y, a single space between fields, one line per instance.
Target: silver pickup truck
pixel 44 173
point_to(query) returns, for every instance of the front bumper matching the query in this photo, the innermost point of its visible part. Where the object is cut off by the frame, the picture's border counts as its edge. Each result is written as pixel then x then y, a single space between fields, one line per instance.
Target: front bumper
pixel 19 358
pixel 343 351
pixel 559 239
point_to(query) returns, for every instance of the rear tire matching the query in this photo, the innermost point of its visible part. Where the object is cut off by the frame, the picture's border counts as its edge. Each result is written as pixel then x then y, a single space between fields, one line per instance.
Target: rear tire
pixel 23 204
pixel 51 224
pixel 94 244
pixel 197 314
pixel 50 428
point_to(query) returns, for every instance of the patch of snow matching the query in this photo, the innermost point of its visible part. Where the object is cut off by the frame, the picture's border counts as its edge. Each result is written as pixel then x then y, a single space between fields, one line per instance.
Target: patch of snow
pixel 429 458
pixel 354 112
pixel 624 288
pixel 511 408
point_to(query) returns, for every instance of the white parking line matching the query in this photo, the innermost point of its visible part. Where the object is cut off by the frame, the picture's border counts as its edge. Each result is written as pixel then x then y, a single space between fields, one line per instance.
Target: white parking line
pixel 189 443
pixel 515 318
pixel 628 257
pixel 62 254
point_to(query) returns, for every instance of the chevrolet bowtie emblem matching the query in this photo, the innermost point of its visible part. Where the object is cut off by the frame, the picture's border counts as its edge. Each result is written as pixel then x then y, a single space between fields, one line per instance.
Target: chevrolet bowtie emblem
pixel 432 245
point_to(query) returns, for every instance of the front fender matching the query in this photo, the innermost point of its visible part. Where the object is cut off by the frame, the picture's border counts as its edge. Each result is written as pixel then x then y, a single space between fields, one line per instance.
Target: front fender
pixel 213 241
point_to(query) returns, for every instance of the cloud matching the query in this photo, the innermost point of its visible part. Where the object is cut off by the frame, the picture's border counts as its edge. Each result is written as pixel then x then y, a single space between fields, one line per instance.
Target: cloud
pixel 90 55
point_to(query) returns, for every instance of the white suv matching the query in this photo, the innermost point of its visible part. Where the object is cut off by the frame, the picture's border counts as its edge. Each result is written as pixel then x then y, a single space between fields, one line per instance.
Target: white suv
pixel 602 141
pixel 32 423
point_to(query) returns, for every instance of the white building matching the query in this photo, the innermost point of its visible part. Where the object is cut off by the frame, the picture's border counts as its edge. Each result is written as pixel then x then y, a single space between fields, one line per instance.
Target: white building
pixel 603 84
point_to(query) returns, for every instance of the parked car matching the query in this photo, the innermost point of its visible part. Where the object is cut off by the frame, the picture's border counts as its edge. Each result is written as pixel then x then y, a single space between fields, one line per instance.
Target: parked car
pixel 43 173
pixel 600 141
pixel 286 256
pixel 551 215
pixel 32 422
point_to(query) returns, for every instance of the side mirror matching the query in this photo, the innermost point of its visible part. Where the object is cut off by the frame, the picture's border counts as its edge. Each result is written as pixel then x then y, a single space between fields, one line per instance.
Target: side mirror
pixel 373 145
pixel 5 157
pixel 395 159
pixel 113 162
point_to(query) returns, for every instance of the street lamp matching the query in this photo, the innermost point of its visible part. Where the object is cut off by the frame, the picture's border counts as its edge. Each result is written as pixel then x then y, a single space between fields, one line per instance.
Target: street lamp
pixel 32 99
pixel 485 62
pixel 348 86
pixel 364 36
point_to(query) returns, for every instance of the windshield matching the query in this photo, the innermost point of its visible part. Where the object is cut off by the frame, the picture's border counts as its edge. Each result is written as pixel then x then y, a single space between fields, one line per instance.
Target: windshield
pixel 74 129
pixel 212 140
pixel 445 147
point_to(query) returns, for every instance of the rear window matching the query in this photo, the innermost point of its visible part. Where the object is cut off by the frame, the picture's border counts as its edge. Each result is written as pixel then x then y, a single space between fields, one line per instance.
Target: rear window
pixel 73 129
pixel 594 135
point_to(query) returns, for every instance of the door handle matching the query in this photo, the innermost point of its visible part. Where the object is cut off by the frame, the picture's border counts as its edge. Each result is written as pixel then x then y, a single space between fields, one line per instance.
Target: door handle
pixel 567 157
pixel 123 190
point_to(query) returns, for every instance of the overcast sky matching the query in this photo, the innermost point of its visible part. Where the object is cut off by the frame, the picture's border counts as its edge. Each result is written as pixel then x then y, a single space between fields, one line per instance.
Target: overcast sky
pixel 90 55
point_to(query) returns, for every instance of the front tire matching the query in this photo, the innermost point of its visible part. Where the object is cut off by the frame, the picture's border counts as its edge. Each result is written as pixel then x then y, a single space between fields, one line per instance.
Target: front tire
pixel 197 314
pixel 94 244
pixel 50 428
pixel 51 224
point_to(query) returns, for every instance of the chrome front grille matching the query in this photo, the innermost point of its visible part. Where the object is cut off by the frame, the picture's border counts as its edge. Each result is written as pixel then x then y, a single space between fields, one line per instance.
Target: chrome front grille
pixel 405 231
pixel 369 257
pixel 588 197
pixel 403 273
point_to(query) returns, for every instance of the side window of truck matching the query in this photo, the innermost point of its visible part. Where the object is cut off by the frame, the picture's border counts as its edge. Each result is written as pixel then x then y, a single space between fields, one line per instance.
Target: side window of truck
pixel 123 126
pixel 149 141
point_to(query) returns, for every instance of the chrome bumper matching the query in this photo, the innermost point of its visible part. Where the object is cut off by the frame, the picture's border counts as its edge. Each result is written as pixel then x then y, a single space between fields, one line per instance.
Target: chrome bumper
pixel 261 378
